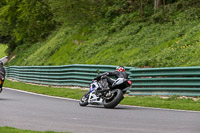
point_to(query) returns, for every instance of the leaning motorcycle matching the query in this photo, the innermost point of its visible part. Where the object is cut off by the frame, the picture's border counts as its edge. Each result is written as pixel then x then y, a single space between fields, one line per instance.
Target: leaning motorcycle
pixel 109 98
pixel 1 84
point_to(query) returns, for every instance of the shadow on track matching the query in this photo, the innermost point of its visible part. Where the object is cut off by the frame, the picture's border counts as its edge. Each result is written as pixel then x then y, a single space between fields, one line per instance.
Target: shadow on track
pixel 5 99
pixel 119 107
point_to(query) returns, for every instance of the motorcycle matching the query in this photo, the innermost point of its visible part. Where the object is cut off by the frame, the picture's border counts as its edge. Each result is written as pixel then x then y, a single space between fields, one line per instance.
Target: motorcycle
pixel 1 84
pixel 109 98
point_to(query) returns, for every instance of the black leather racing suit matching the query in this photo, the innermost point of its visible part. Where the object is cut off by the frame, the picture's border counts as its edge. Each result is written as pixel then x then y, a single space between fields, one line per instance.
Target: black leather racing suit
pixel 116 74
pixel 2 76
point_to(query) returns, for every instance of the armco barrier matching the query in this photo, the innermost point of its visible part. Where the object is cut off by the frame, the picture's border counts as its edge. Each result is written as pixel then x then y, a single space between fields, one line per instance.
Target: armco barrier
pixel 73 75
pixel 184 81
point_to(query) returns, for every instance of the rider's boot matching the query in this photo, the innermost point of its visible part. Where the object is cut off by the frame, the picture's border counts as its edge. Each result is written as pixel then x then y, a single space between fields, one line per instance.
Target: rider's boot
pixel 108 94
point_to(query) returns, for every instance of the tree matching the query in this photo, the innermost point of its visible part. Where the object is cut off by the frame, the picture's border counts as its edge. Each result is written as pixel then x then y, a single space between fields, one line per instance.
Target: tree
pixel 158 3
pixel 34 21
pixel 25 21
pixel 8 17
pixel 76 11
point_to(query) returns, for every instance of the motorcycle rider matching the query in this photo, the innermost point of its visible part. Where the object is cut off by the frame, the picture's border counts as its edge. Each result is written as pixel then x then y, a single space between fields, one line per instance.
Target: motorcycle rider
pixel 2 75
pixel 118 73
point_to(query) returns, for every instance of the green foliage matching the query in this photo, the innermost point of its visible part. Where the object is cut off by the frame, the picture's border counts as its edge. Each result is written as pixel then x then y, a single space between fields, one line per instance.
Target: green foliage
pixel 174 12
pixel 165 39
pixel 34 17
pixel 173 102
pixel 3 48
pixel 38 53
pixel 23 21
pixel 75 11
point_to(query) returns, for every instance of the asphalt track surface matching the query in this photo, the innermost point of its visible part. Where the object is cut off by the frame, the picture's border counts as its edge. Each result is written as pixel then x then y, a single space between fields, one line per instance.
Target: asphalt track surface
pixel 36 112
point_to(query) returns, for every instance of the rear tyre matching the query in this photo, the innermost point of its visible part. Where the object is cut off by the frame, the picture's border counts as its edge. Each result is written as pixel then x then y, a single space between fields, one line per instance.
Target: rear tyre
pixel 114 100
pixel 84 99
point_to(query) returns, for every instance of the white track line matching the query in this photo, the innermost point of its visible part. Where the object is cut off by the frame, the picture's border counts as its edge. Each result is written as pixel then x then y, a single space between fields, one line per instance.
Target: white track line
pixel 189 111
pixel 32 93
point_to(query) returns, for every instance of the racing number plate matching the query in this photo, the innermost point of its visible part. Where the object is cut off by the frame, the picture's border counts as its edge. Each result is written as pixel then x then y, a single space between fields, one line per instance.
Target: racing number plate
pixel 0 82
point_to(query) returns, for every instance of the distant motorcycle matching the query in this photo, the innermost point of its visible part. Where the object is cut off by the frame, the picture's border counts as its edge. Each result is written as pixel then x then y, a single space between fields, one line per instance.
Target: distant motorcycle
pixel 108 98
pixel 1 84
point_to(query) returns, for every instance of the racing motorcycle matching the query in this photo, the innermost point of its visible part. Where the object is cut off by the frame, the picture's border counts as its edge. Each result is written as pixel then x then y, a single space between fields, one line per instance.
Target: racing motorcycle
pixel 1 84
pixel 109 98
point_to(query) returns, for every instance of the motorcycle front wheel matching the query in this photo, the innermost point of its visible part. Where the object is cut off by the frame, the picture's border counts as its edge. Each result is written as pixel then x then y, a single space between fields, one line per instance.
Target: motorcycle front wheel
pixel 84 99
pixel 114 99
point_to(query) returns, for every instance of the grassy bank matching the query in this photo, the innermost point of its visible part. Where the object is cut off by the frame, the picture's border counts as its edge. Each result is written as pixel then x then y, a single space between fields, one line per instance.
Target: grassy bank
pixel 160 40
pixel 173 102
pixel 154 101
pixel 47 90
pixel 15 130
pixel 3 48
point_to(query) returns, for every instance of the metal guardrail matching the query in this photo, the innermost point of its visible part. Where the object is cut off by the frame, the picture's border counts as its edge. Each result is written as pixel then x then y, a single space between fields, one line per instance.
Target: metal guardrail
pixel 73 75
pixel 184 81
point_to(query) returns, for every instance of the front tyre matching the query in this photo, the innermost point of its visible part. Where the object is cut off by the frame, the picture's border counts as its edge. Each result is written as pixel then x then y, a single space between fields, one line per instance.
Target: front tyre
pixel 114 100
pixel 84 99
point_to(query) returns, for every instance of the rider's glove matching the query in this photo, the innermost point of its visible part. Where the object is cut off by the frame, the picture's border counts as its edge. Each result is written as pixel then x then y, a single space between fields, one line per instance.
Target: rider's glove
pixel 97 77
pixel 106 73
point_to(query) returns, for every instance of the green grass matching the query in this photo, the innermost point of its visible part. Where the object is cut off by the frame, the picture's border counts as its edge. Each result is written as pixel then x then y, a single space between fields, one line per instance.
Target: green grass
pixel 172 102
pixel 47 90
pixel 3 48
pixel 169 103
pixel 122 41
pixel 15 130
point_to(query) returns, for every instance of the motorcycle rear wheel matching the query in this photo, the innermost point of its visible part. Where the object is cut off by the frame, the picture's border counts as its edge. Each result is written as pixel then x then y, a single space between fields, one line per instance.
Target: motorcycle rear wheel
pixel 114 100
pixel 84 99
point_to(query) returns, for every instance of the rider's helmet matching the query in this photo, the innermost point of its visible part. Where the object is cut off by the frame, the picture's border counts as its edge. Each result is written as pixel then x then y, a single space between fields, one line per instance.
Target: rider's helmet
pixel 1 63
pixel 120 69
